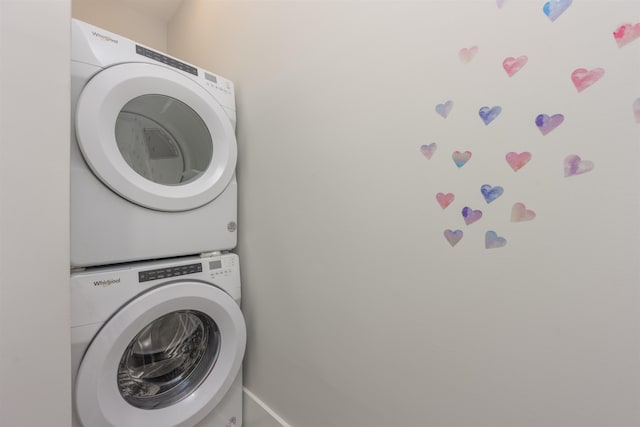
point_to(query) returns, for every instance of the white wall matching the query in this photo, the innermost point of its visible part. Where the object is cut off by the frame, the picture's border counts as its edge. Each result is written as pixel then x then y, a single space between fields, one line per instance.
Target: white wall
pixel 34 213
pixel 126 18
pixel 359 311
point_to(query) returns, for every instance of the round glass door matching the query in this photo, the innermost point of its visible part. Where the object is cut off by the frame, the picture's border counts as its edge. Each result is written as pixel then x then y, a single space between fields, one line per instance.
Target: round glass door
pixel 155 137
pixel 163 139
pixel 168 359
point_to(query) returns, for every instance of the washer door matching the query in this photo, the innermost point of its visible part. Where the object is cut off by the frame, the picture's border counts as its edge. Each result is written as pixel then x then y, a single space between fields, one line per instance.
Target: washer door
pixel 165 359
pixel 155 137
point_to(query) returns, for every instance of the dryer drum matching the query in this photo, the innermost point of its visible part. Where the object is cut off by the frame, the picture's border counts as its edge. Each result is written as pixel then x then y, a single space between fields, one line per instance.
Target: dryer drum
pixel 168 359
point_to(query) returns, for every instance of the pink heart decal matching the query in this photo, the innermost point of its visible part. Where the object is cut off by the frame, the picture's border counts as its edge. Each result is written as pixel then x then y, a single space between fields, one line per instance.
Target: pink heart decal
pixel 453 236
pixel 429 149
pixel 583 78
pixel 519 213
pixel 461 158
pixel 470 216
pixel 445 200
pixel 636 109
pixel 513 65
pixel 517 161
pixel 574 165
pixel 466 55
pixel 626 33
pixel 444 109
pixel 548 123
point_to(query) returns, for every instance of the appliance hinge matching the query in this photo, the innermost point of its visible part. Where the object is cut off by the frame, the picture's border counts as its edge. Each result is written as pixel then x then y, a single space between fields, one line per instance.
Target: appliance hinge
pixel 210 254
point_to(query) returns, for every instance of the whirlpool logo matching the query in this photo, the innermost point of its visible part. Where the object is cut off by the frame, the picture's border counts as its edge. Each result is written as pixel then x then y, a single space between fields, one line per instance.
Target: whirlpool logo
pixel 105 283
pixel 104 38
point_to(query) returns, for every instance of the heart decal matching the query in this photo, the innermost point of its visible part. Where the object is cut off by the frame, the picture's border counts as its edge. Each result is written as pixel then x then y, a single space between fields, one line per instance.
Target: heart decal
pixel 470 216
pixel 445 200
pixel 519 213
pixel 444 109
pixel 492 240
pixel 548 123
pixel 583 78
pixel 626 33
pixel 500 3
pixel 453 236
pixel 461 158
pixel 467 54
pixel 574 165
pixel 513 65
pixel 636 109
pixel 518 160
pixel 554 8
pixel 491 193
pixel 489 114
pixel 428 150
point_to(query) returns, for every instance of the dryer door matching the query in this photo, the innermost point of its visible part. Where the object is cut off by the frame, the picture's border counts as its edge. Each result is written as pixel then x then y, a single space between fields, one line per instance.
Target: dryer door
pixel 165 359
pixel 155 137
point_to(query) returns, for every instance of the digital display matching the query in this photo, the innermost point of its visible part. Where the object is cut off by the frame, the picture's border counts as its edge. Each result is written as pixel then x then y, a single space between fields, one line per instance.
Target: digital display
pixel 214 265
pixel 163 273
pixel 211 77
pixel 140 50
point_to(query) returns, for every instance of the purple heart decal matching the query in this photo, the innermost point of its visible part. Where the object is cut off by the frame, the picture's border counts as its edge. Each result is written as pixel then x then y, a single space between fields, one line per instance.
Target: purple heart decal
pixel 428 149
pixel 548 123
pixel 574 165
pixel 470 216
pixel 489 114
pixel 492 240
pixel 491 193
pixel 453 236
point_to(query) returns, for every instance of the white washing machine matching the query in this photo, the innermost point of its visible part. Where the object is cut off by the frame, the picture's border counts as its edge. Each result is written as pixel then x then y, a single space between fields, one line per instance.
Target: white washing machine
pixel 158 344
pixel 153 153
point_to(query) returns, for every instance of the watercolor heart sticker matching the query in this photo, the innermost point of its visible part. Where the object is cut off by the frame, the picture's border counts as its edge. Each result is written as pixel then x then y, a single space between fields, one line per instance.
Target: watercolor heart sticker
pixel 548 123
pixel 444 109
pixel 500 3
pixel 467 54
pixel 513 65
pixel 453 236
pixel 470 216
pixel 445 200
pixel 518 160
pixel 626 33
pixel 489 114
pixel 574 165
pixel 492 240
pixel 636 110
pixel 491 193
pixel 583 78
pixel 428 149
pixel 554 8
pixel 461 158
pixel 520 213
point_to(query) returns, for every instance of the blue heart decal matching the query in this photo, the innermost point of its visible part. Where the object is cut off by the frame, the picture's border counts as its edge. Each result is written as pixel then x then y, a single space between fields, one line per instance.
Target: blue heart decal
pixel 493 241
pixel 554 8
pixel 488 114
pixel 491 193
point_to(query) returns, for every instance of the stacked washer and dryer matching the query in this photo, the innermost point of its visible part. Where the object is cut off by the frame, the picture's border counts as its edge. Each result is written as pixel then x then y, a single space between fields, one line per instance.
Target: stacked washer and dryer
pixel 157 333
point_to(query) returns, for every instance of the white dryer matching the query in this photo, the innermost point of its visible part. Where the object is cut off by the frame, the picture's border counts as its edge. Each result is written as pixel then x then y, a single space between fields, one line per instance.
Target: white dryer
pixel 153 153
pixel 158 344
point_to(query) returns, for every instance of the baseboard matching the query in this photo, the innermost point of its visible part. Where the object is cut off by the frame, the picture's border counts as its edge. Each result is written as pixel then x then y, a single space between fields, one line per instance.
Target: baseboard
pixel 256 413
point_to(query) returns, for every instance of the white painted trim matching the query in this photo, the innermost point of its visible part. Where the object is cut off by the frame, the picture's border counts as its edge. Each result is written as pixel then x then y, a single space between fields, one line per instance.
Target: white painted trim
pixel 267 416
